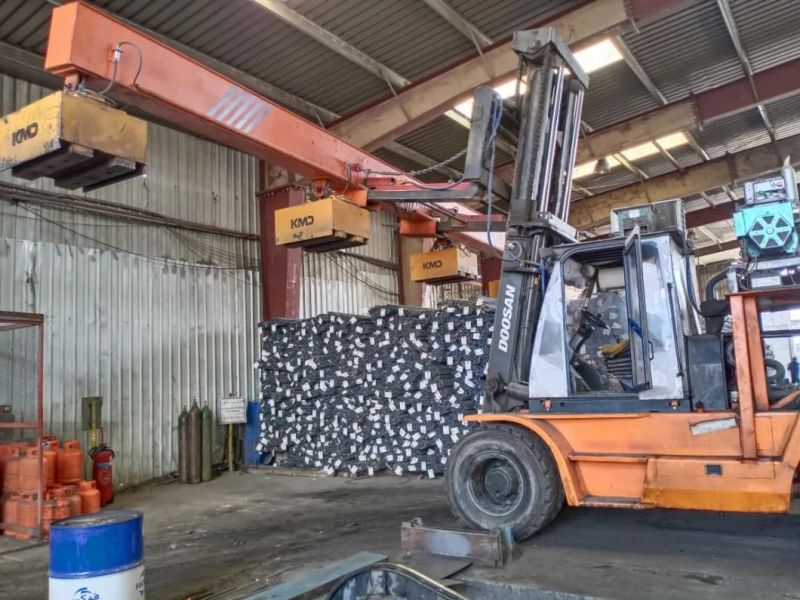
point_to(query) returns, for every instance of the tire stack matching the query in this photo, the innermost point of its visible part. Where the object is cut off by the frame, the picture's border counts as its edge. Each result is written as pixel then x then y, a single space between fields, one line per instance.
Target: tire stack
pixel 361 394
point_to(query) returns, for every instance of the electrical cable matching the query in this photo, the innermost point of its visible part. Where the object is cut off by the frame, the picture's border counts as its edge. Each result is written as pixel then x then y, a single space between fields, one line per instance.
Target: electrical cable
pixel 165 261
pixel 117 57
pixel 496 118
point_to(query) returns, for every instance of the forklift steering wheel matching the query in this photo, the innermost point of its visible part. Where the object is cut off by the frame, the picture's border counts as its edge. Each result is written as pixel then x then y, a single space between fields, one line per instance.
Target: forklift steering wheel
pixel 594 319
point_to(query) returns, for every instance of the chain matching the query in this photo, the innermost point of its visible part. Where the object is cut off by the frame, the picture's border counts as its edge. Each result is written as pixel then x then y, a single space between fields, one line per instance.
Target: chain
pixel 435 167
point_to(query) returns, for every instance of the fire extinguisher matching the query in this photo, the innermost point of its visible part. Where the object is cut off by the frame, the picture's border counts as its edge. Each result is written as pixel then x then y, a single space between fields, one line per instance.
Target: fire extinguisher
pixel 103 472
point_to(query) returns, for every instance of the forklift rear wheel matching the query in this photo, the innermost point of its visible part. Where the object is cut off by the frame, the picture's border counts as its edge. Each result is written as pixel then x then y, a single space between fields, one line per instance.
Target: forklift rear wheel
pixel 503 475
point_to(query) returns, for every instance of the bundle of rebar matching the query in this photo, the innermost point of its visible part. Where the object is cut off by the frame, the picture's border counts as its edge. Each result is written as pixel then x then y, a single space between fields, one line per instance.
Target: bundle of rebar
pixel 362 394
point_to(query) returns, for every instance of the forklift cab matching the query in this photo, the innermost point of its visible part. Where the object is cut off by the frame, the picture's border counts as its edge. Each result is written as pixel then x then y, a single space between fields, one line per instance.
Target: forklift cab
pixel 612 326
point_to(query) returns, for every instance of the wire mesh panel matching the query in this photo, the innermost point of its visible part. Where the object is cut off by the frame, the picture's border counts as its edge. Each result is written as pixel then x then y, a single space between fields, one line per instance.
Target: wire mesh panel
pixel 23 459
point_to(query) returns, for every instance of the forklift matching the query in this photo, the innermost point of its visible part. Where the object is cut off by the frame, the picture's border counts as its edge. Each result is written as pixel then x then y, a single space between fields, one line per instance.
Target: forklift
pixel 608 384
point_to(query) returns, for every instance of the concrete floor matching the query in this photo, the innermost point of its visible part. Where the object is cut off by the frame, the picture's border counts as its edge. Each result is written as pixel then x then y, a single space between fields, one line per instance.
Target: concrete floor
pixel 263 527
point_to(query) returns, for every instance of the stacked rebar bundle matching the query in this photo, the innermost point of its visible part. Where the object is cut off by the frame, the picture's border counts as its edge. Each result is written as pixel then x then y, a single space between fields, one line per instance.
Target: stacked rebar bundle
pixel 360 394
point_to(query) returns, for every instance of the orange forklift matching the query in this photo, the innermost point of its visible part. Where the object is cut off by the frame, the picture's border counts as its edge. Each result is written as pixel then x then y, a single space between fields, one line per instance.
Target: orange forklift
pixel 607 384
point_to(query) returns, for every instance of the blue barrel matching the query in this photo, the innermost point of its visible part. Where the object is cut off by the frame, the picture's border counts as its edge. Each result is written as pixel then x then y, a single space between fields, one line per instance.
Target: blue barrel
pixel 97 557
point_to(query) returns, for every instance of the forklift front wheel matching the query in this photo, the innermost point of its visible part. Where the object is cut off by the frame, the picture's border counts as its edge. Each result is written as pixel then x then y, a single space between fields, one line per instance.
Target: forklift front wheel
pixel 504 475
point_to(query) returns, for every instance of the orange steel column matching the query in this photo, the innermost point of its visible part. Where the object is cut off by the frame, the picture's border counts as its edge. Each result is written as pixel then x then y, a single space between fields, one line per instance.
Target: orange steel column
pixel 168 84
pixel 758 372
pixel 744 381
pixel 281 267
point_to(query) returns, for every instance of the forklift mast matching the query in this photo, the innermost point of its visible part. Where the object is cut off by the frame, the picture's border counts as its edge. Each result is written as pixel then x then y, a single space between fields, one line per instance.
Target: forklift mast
pixel 553 85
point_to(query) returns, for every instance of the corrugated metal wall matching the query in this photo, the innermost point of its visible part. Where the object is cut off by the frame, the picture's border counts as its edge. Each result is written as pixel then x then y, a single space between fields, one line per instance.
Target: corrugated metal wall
pixel 124 319
pixel 343 282
pixel 150 317
pixel 145 334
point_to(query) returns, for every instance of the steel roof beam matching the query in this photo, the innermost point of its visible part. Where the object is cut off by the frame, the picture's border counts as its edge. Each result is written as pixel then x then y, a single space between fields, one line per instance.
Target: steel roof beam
pixel 458 22
pixel 421 102
pixel 731 98
pixel 333 42
pixel 733 33
pixel 728 170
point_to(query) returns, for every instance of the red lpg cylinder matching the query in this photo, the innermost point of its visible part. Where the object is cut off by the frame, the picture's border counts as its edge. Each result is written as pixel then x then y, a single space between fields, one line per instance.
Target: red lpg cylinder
pixel 10 511
pixel 11 472
pixel 27 515
pixel 50 449
pixel 29 475
pixel 74 499
pixel 90 497
pixel 103 472
pixel 69 466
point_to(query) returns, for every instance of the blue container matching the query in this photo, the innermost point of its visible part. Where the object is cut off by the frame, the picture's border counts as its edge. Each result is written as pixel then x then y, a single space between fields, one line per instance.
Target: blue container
pixel 97 557
pixel 252 433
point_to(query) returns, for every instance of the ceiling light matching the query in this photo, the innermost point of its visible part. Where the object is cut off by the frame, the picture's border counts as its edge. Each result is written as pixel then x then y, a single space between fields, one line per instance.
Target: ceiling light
pixel 598 55
pixel 649 148
pixel 588 168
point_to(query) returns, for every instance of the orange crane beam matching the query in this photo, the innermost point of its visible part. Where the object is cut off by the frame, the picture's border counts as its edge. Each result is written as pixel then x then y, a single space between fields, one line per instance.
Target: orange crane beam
pixel 174 87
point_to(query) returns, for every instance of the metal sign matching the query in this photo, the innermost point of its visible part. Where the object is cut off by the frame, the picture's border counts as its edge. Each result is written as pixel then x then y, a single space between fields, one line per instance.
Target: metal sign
pixel 232 410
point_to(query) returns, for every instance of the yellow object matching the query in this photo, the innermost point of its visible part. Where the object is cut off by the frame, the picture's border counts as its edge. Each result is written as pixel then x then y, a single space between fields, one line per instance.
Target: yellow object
pixel 444 266
pixel 493 287
pixel 326 224
pixel 77 140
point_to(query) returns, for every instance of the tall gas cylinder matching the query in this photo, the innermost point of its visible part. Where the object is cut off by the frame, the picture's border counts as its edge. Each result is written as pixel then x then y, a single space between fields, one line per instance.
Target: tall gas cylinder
pixel 195 443
pixel 183 446
pixel 50 449
pixel 103 472
pixel 97 556
pixel 207 442
pixel 69 463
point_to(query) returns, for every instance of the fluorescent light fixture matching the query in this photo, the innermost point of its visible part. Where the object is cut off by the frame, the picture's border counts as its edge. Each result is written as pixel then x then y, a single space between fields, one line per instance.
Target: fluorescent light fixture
pixel 667 142
pixel 649 148
pixel 591 58
pixel 507 89
pixel 599 55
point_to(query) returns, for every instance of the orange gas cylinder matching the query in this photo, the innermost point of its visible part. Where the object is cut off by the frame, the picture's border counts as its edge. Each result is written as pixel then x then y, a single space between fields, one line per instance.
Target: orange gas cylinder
pixel 11 474
pixel 28 477
pixel 26 515
pixel 48 514
pixel 59 494
pixel 69 466
pixel 71 492
pixel 90 497
pixel 10 508
pixel 50 449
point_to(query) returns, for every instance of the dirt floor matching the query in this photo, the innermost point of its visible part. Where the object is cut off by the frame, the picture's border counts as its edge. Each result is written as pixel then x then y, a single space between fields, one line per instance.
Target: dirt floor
pixel 262 527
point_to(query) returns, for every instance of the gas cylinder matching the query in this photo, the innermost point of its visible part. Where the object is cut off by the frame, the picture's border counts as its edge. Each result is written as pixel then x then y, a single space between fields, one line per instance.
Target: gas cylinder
pixel 90 497
pixel 195 443
pixel 103 472
pixel 183 446
pixel 69 466
pixel 11 474
pixel 48 514
pixel 205 459
pixel 27 511
pixel 71 492
pixel 30 476
pixel 50 449
pixel 10 511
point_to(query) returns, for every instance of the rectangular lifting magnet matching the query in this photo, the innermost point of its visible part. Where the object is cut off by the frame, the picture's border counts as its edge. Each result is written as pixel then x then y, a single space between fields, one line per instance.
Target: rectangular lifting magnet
pixel 77 140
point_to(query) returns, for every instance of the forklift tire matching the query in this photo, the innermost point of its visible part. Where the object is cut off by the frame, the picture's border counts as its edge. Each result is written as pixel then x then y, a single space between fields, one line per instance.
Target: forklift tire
pixel 503 475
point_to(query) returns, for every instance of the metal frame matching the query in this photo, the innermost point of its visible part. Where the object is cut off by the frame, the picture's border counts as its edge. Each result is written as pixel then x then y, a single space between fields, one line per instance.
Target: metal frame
pixel 12 321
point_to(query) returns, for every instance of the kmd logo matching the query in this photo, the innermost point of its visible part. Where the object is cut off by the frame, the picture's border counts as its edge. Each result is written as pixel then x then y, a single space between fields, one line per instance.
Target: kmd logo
pixel 25 133
pixel 432 264
pixel 505 320
pixel 301 221
pixel 85 593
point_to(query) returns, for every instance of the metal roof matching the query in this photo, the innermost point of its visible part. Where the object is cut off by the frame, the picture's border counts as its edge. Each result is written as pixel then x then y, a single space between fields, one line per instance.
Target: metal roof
pixel 683 54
